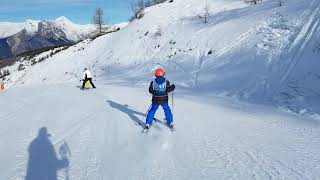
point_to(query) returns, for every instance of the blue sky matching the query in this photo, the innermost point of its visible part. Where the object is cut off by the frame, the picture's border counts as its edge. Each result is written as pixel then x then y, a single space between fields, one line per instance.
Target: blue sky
pixel 79 11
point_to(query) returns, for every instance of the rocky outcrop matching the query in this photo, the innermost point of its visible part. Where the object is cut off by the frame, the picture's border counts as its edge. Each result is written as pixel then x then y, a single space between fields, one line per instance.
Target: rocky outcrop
pixel 47 35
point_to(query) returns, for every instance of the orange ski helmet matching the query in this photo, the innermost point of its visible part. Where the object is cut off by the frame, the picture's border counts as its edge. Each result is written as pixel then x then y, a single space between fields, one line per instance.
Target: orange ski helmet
pixel 159 72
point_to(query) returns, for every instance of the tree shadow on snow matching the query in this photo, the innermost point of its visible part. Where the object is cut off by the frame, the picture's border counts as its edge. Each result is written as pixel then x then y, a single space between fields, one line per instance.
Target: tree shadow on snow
pixel 43 162
pixel 130 112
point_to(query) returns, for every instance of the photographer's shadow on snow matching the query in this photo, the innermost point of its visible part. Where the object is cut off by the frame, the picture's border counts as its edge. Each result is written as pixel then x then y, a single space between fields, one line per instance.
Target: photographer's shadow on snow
pixel 130 112
pixel 43 162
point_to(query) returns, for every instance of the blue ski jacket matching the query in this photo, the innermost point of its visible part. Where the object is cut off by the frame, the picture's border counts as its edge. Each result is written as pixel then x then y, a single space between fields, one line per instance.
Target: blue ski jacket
pixel 160 95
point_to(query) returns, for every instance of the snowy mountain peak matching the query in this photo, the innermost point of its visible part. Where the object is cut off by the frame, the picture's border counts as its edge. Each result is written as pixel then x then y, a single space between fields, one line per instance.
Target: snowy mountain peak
pixel 32 34
pixel 31 21
pixel 63 20
pixel 31 26
pixel 74 31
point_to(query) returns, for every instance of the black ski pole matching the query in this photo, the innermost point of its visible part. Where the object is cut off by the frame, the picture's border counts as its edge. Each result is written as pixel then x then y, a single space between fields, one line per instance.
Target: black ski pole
pixel 172 102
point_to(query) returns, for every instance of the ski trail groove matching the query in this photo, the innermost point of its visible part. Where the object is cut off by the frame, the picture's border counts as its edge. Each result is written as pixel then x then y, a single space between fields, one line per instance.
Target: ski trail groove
pixel 311 22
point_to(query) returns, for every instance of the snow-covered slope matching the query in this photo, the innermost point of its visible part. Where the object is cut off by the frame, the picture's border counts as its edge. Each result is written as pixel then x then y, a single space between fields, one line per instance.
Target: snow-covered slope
pixel 73 31
pixel 98 132
pixel 263 53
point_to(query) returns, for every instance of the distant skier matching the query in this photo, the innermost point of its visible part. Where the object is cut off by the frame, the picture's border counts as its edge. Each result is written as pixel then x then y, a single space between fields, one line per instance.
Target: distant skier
pixel 159 88
pixel 87 76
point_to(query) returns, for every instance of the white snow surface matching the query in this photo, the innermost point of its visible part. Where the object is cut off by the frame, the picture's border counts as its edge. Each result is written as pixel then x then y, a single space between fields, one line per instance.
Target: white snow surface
pixel 214 138
pixel 263 54
pixel 232 75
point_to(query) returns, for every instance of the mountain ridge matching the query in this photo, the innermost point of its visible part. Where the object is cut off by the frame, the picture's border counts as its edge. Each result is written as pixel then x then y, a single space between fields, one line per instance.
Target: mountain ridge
pixel 34 34
pixel 31 25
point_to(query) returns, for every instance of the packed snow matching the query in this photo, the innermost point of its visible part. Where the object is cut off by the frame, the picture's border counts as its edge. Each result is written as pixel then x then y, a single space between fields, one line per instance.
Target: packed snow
pixel 245 106
pixel 214 138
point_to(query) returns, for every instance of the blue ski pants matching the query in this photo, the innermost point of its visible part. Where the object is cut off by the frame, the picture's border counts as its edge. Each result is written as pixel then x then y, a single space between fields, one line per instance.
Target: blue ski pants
pixel 153 110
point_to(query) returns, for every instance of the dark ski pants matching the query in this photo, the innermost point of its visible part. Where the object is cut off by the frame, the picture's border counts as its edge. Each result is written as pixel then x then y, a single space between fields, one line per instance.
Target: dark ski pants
pixel 153 110
pixel 88 79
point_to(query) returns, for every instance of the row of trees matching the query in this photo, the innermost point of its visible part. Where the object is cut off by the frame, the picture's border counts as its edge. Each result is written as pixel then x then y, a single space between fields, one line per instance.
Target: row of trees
pixel 137 7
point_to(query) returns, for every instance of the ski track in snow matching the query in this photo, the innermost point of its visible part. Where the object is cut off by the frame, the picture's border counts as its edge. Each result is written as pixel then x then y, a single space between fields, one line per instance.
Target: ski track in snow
pixel 106 143
pixel 311 21
pixel 229 46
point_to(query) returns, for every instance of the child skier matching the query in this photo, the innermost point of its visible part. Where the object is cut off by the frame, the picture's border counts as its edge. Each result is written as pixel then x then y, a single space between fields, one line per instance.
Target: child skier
pixel 159 88
pixel 87 76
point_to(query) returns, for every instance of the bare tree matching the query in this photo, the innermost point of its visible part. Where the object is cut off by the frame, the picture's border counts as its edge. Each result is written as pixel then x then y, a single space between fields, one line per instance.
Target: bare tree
pixel 137 8
pixel 206 12
pixel 98 19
